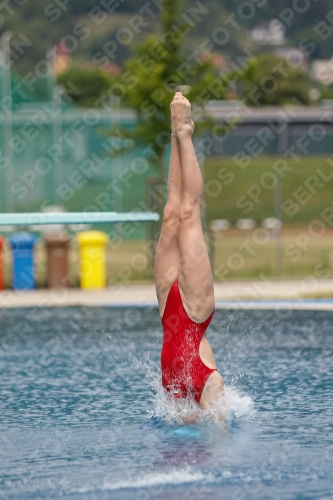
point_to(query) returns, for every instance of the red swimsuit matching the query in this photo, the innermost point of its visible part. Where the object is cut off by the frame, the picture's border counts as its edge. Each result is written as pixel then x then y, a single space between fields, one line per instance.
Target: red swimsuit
pixel 183 371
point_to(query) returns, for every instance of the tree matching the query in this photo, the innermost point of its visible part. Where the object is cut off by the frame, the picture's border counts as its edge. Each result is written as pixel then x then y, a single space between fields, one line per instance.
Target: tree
pixel 270 80
pixel 155 71
pixel 89 84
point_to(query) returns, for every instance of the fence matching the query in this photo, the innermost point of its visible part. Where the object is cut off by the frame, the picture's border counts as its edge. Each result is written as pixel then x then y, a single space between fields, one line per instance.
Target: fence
pixel 54 153
pixel 270 130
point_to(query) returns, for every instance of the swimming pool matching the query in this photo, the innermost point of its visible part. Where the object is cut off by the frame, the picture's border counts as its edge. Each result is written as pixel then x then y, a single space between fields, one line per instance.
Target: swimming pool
pixel 81 419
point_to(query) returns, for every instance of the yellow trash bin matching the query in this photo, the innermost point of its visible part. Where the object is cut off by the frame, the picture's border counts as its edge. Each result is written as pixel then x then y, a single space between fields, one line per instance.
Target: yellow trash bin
pixel 92 245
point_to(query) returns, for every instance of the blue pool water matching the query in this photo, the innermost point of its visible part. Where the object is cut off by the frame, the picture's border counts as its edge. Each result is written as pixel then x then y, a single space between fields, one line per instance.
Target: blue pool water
pixel 82 415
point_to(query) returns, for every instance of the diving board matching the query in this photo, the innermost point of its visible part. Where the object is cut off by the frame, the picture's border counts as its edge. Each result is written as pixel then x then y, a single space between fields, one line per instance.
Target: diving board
pixel 38 218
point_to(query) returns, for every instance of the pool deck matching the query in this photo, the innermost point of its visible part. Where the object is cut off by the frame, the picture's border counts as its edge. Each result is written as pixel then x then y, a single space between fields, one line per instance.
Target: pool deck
pixel 296 294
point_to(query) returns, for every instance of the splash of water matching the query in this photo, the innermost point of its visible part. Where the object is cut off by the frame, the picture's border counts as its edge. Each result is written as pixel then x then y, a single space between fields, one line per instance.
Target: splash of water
pixel 231 405
pixel 164 407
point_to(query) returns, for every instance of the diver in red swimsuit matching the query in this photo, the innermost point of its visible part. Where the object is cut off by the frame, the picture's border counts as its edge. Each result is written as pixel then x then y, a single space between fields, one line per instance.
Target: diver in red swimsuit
pixel 183 277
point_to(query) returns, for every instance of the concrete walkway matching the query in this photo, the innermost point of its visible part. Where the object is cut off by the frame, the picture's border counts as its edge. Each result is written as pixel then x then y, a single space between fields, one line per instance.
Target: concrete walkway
pixel 240 293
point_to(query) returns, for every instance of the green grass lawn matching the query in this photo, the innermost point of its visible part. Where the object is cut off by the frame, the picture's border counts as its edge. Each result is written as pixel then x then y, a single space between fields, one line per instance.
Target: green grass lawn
pixel 228 190
pixel 241 254
pixel 226 183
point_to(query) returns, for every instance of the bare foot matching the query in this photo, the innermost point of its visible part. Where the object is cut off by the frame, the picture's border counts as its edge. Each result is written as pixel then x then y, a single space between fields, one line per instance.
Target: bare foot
pixel 181 106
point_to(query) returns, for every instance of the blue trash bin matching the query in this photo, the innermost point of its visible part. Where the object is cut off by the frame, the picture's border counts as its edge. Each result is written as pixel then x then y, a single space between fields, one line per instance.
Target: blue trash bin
pixel 22 245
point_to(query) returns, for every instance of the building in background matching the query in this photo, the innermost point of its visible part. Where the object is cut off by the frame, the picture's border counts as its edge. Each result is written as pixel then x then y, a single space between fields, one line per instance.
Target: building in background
pixel 322 70
pixel 269 33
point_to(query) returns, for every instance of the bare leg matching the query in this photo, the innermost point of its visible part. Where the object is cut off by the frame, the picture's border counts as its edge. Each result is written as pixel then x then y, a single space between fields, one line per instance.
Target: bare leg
pixel 167 260
pixel 195 275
